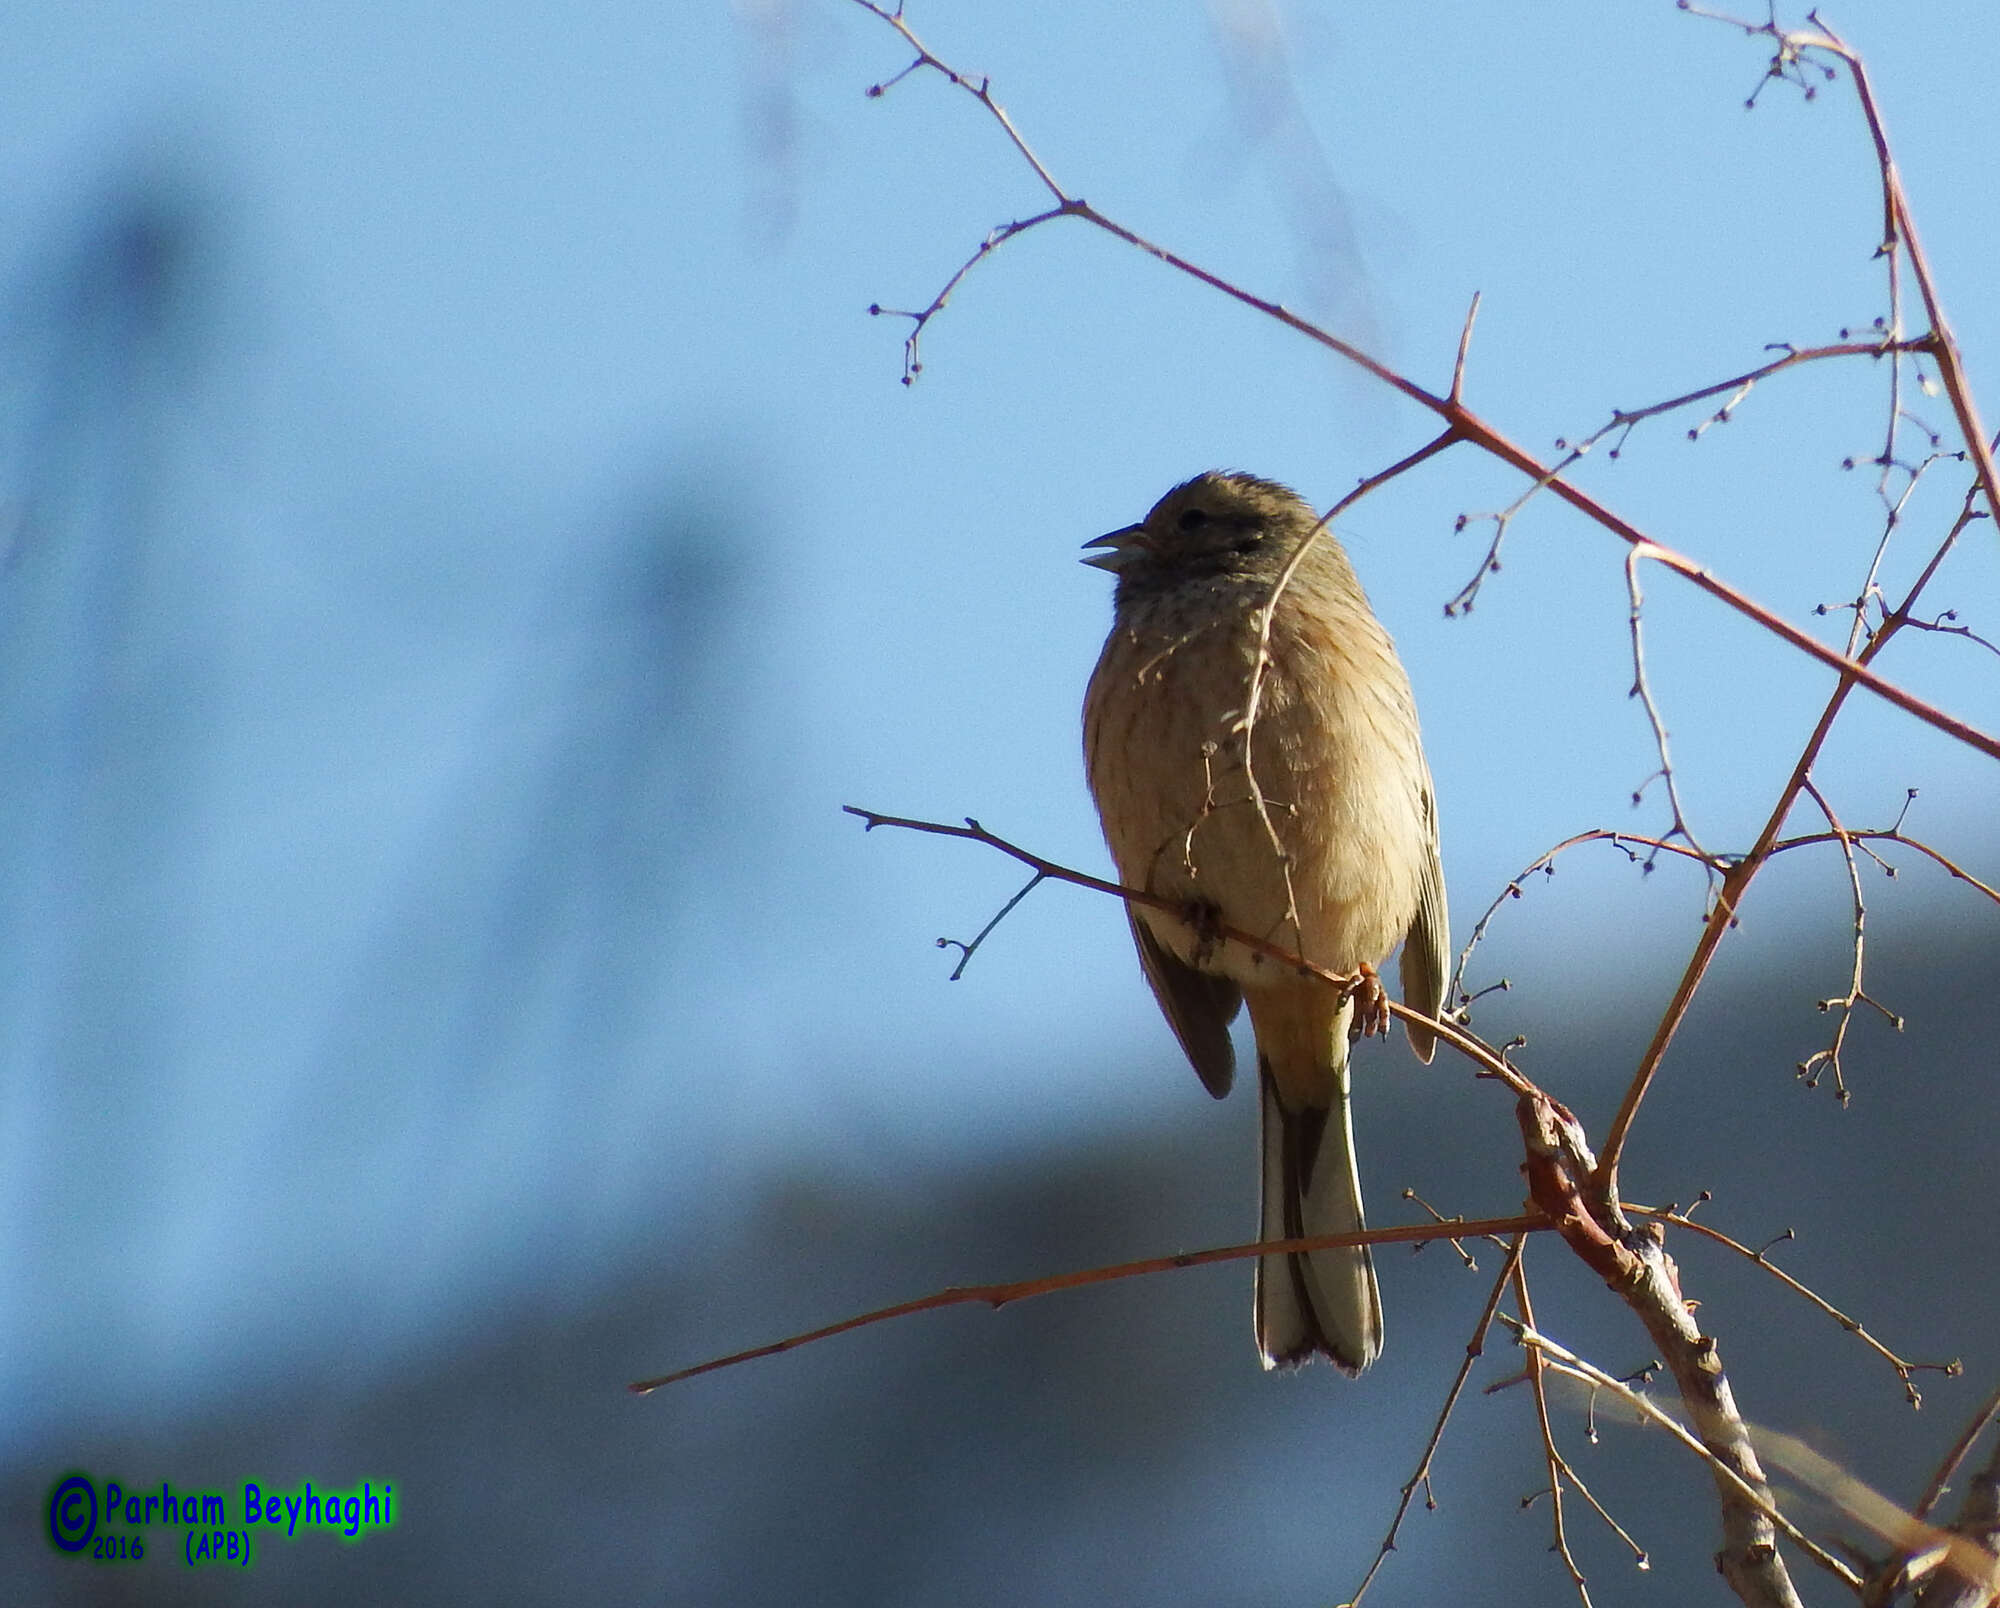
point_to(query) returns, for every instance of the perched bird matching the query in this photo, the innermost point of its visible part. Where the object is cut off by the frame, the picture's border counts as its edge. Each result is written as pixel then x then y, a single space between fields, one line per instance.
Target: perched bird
pixel 1251 742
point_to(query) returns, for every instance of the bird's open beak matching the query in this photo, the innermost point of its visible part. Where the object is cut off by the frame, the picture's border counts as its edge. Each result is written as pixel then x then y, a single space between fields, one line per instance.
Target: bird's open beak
pixel 1123 548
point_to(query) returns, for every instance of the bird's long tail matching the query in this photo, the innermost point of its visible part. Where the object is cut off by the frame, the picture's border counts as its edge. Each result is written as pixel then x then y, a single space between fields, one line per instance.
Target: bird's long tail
pixel 1318 1302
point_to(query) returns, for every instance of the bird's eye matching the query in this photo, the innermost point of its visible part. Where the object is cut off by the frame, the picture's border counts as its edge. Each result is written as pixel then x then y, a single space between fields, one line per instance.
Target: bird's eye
pixel 1192 519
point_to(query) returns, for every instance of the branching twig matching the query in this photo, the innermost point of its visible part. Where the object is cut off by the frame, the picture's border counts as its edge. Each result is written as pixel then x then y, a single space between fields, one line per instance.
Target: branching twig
pixel 1545 863
pixel 1642 690
pixel 1574 1191
pixel 1489 1061
pixel 1905 1369
pixel 1558 1466
pixel 913 364
pixel 1465 1256
pixel 966 950
pixel 1421 1476
pixel 1957 872
pixel 1898 233
pixel 1754 1494
pixel 1462 423
pixel 1870 590
pixel 1829 1058
pixel 1939 626
pixel 1629 843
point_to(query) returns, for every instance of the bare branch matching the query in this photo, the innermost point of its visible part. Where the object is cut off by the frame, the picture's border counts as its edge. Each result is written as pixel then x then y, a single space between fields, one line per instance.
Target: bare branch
pixel 1853 671
pixel 1558 1467
pixel 1465 425
pixel 1633 1262
pixel 1575 1192
pixel 1957 872
pixel 1959 1564
pixel 1643 691
pixel 1545 863
pixel 920 320
pixel 999 1295
pixel 966 949
pixel 1966 1568
pixel 1905 1369
pixel 1768 1585
pixel 1940 627
pixel 1947 1471
pixel 1843 1008
pixel 1489 1061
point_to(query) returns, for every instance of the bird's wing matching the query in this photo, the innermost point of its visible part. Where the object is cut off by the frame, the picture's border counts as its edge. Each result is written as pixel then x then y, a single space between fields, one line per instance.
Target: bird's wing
pixel 1427 946
pixel 1198 1006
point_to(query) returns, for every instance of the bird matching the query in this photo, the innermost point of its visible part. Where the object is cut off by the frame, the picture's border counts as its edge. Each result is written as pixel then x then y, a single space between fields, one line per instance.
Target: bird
pixel 1251 743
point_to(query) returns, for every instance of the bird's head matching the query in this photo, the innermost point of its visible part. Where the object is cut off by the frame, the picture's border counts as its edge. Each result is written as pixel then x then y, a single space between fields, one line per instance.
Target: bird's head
pixel 1218 524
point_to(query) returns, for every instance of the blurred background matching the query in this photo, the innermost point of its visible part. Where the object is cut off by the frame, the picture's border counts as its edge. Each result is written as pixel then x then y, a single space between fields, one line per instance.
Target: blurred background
pixel 462 540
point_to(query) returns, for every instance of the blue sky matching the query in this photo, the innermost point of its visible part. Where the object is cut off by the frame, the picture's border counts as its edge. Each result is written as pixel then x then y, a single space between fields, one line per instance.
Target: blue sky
pixel 477 288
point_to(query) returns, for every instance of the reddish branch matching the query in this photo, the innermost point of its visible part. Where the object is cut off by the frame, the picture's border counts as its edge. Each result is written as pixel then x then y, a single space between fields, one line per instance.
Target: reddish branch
pixel 1574 1191
pixel 1564 1193
pixel 1462 424
pixel 1633 1262
pixel 999 1295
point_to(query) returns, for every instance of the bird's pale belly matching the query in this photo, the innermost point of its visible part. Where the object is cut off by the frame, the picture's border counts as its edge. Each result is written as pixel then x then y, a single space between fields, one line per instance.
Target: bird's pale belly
pixel 1312 846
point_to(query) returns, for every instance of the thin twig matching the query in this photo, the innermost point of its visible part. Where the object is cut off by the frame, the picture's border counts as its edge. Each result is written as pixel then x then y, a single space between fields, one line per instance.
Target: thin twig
pixel 965 949
pixel 1905 1369
pixel 1462 423
pixel 1464 346
pixel 999 1295
pixel 1809 1070
pixel 1968 1572
pixel 1489 1061
pixel 1245 726
pixel 1898 227
pixel 1947 1471
pixel 1465 1256
pixel 1870 589
pixel 1642 690
pixel 1421 1476
pixel 1957 872
pixel 1629 844
pixel 1939 627
pixel 1624 421
pixel 1545 863
pixel 1553 1459
pixel 1565 1361
pixel 920 320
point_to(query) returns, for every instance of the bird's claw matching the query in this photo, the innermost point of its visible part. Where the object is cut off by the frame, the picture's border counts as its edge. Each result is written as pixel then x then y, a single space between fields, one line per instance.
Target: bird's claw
pixel 1371 1003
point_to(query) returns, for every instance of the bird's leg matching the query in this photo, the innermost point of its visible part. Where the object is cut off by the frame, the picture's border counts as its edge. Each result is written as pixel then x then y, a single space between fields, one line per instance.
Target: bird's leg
pixel 1371 1003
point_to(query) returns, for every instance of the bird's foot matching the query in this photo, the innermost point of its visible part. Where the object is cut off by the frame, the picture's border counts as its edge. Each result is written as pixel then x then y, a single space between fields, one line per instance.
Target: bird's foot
pixel 1204 920
pixel 1371 1003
